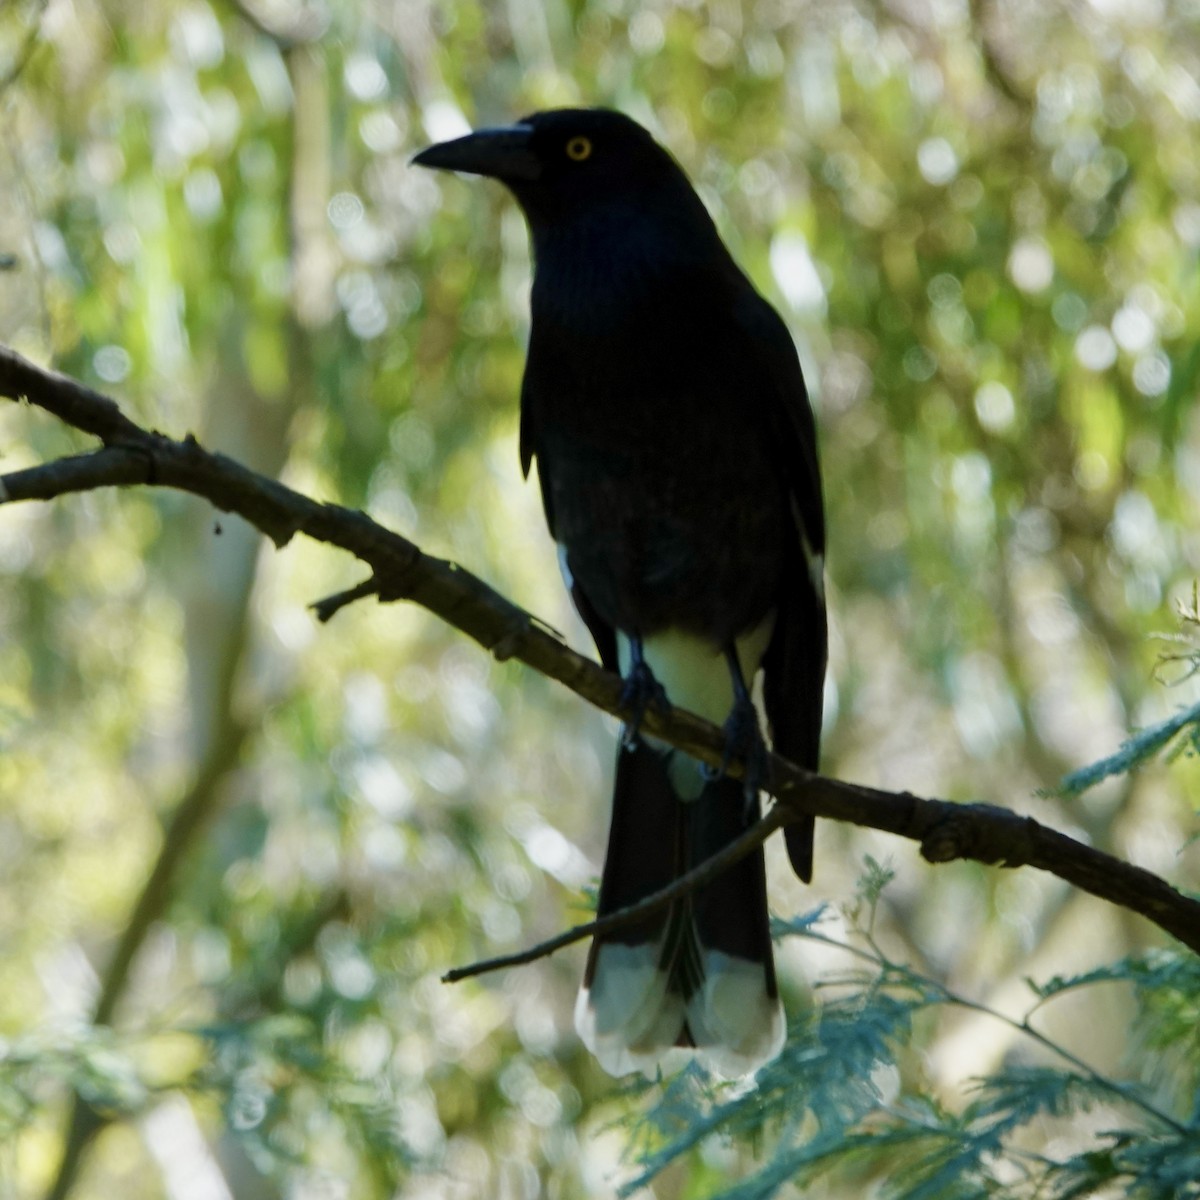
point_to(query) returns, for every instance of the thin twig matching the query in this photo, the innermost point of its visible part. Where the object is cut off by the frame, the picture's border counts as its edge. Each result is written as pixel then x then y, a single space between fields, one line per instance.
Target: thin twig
pixel 687 883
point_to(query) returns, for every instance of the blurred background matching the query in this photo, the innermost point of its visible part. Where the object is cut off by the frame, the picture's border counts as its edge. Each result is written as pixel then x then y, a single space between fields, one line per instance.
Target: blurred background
pixel 237 849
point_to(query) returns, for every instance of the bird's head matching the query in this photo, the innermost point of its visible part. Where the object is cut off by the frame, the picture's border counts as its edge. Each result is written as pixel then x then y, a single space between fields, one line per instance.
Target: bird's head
pixel 571 162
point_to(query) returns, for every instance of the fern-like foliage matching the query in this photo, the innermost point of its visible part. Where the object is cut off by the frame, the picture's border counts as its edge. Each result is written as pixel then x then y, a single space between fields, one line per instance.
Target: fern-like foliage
pixel 843 1107
pixel 1179 734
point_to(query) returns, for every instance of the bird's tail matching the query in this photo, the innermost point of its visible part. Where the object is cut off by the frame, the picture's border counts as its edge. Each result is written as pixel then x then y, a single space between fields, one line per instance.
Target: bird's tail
pixel 700 973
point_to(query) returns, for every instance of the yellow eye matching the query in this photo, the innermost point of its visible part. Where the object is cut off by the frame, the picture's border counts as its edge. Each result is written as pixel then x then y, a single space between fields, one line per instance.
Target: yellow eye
pixel 579 148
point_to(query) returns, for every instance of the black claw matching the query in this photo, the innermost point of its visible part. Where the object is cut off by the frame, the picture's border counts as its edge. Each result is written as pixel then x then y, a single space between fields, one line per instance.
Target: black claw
pixel 640 691
pixel 743 739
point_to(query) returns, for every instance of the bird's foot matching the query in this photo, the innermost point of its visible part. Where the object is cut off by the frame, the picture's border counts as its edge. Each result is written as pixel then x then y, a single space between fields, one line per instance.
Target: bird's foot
pixel 640 691
pixel 744 740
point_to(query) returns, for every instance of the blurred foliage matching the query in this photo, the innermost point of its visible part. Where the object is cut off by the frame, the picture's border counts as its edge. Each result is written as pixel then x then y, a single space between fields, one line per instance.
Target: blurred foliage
pixel 982 222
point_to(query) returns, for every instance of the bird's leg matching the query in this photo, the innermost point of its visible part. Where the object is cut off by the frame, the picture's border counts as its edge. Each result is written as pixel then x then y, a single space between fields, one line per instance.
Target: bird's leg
pixel 743 735
pixel 639 691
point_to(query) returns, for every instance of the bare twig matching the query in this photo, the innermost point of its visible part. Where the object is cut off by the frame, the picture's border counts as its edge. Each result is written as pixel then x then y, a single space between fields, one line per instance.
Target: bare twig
pixel 687 883
pixel 196 807
pixel 401 570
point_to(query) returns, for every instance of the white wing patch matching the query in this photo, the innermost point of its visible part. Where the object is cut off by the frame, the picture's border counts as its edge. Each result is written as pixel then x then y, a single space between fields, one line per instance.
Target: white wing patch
pixel 564 567
pixel 812 560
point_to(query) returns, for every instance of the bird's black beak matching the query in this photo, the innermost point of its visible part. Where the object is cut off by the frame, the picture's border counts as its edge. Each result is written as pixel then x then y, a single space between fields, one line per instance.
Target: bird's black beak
pixel 505 153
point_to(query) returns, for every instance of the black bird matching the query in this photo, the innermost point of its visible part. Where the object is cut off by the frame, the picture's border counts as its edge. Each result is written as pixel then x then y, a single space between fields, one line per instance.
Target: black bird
pixel 664 403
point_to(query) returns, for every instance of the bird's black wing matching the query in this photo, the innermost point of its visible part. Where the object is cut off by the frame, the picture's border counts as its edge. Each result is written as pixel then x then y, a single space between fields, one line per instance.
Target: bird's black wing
pixel 603 634
pixel 794 664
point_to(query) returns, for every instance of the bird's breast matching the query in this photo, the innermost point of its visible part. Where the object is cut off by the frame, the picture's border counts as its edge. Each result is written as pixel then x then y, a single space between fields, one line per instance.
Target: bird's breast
pixel 654 457
pixel 666 525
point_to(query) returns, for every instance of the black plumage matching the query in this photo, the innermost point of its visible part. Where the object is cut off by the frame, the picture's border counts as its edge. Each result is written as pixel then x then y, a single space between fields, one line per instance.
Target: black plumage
pixel 664 403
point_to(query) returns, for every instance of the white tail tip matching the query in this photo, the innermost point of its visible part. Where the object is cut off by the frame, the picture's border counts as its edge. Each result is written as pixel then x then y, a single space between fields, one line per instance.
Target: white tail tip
pixel 631 1020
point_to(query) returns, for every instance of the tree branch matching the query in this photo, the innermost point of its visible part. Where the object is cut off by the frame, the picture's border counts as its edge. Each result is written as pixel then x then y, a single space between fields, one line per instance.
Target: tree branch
pixel 401 571
pixel 196 807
